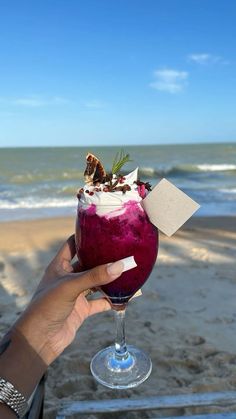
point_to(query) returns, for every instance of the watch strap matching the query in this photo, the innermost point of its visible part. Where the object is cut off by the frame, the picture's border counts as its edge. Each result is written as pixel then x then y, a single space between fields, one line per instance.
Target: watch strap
pixel 13 398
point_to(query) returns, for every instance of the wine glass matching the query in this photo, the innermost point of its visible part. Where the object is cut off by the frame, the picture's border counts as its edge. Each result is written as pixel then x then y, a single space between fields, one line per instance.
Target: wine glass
pixel 107 233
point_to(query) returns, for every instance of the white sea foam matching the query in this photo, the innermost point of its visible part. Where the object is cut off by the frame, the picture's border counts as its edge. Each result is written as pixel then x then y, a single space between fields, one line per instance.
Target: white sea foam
pixel 216 167
pixel 147 171
pixel 30 203
pixel 228 190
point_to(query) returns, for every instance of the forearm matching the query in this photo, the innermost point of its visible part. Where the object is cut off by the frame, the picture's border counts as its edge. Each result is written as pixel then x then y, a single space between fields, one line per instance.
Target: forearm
pixel 6 412
pixel 20 365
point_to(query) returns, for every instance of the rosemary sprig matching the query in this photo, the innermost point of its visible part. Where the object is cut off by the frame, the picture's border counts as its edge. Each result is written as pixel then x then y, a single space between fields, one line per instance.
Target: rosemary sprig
pixel 119 161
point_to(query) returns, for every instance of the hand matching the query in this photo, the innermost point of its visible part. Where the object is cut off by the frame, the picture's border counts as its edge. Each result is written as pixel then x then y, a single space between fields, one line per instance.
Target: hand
pixel 59 306
pixel 50 322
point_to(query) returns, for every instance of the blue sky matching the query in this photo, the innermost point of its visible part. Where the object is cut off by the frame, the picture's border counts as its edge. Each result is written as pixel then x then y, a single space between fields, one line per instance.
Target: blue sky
pixel 117 72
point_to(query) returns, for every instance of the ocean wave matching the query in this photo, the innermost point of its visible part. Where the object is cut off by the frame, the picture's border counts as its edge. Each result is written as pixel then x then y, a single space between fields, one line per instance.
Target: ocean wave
pixel 43 203
pixel 28 178
pixel 228 190
pixel 76 177
pixel 217 167
pixel 68 190
pixel 186 169
pixel 147 171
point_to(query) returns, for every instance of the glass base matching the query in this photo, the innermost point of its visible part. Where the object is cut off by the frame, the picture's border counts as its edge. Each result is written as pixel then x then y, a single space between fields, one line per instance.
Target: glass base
pixel 127 372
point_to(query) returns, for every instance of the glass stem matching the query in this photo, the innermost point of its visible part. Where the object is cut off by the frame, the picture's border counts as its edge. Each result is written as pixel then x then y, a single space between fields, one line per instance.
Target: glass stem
pixel 121 352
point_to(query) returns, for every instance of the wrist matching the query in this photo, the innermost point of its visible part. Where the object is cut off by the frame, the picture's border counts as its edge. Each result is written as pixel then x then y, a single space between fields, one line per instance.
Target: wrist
pixel 32 328
pixel 21 365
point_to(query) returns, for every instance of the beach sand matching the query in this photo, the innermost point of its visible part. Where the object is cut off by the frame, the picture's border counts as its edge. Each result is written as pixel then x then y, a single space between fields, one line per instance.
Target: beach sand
pixel 185 319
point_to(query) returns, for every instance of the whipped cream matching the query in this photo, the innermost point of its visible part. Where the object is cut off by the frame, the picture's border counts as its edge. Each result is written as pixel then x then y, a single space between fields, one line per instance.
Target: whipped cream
pixel 110 203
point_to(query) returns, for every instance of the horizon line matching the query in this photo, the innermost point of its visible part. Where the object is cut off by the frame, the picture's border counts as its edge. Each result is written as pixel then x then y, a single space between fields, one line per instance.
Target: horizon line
pixel 120 145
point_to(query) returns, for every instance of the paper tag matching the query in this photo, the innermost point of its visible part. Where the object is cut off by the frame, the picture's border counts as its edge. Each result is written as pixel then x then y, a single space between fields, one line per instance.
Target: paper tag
pixel 168 208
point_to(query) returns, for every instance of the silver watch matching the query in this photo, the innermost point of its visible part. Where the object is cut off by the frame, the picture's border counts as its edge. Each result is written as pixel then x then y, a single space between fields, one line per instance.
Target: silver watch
pixel 13 398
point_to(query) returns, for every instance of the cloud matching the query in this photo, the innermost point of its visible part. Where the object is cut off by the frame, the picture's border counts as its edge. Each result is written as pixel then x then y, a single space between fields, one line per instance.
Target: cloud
pixel 29 102
pixel 95 104
pixel 34 101
pixel 169 80
pixel 204 59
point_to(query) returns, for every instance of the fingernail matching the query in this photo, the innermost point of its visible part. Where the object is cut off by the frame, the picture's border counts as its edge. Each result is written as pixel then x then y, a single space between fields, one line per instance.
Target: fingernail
pixel 129 263
pixel 116 268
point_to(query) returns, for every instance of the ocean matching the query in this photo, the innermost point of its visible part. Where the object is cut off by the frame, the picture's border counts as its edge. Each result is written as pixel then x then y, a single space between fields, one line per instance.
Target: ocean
pixel 42 182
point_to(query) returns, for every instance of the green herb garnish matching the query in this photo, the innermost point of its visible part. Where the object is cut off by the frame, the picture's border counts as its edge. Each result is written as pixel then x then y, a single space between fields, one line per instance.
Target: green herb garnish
pixel 119 161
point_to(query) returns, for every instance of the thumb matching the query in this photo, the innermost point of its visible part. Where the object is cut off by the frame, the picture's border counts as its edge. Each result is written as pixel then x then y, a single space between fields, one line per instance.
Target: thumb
pixel 96 277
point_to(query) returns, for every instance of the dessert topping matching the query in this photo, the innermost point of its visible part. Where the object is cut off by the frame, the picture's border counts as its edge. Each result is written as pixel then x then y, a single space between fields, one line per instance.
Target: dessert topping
pixel 97 180
pixel 94 172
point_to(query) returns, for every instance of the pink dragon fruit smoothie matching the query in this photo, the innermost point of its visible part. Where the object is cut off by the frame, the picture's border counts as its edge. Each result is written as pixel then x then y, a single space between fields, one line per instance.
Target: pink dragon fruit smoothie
pixel 111 225
pixel 106 239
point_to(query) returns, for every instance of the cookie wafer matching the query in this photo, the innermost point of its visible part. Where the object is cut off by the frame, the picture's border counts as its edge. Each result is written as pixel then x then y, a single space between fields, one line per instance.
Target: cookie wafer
pixel 94 171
